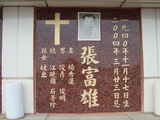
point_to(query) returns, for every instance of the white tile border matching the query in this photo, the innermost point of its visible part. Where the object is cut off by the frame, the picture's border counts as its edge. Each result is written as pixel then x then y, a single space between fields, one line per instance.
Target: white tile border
pixel 9 41
pixel 149 95
pixel 158 37
pixel 25 41
pixel 149 41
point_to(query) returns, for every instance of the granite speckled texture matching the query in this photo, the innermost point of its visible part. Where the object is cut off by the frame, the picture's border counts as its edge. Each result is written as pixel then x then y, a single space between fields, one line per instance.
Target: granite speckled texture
pixel 105 85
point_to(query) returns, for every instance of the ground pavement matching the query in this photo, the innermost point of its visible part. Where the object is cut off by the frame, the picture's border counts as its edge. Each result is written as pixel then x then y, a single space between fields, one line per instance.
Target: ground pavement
pixel 124 116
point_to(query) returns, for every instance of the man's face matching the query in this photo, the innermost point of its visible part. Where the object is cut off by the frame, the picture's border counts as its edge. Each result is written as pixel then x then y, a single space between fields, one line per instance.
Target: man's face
pixel 89 22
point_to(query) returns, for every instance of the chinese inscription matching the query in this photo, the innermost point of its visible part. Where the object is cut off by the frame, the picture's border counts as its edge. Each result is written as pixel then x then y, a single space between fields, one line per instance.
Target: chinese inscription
pixel 88 56
pixel 88 76
pixel 124 35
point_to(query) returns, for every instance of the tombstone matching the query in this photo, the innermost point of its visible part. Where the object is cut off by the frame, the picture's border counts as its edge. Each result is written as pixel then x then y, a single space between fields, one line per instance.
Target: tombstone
pixel 99 72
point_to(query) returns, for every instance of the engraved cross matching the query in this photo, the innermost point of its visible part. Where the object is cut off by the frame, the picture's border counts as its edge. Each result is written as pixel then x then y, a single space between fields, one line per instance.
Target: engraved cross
pixel 57 22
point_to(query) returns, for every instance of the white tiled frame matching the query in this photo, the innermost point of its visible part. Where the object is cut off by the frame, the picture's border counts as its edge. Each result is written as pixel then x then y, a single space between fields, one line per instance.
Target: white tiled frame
pixel 17 52
pixel 151 57
pixel 9 42
pixel 149 95
pixel 149 40
pixel 158 35
pixel 25 41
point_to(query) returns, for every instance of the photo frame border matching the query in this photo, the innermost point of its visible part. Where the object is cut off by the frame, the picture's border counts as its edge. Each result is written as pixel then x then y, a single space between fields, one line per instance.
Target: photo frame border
pixel 99 27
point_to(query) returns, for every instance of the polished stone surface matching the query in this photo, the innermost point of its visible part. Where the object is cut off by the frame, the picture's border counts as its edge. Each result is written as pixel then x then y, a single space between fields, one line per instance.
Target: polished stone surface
pixel 113 63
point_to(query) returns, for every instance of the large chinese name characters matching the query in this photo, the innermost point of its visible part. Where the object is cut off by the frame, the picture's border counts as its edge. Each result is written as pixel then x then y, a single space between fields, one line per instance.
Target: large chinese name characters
pixel 75 76
pixel 89 96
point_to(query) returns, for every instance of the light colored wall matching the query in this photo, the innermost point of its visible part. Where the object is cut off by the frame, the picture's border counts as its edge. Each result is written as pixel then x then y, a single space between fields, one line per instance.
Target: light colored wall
pixel 151 54
pixel 17 52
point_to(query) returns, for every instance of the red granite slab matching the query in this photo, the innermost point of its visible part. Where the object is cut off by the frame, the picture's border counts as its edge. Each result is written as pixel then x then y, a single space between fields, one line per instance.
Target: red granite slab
pixel 107 94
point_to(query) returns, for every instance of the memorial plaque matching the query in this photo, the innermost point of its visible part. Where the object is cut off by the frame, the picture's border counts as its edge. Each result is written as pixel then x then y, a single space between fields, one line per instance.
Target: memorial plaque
pixel 88 60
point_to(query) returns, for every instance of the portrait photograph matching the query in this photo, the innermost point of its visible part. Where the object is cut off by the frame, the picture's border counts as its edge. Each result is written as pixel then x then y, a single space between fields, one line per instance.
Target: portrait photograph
pixel 89 26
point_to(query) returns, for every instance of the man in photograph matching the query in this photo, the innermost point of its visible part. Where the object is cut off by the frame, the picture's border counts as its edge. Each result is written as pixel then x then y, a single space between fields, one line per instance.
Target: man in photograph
pixel 89 27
